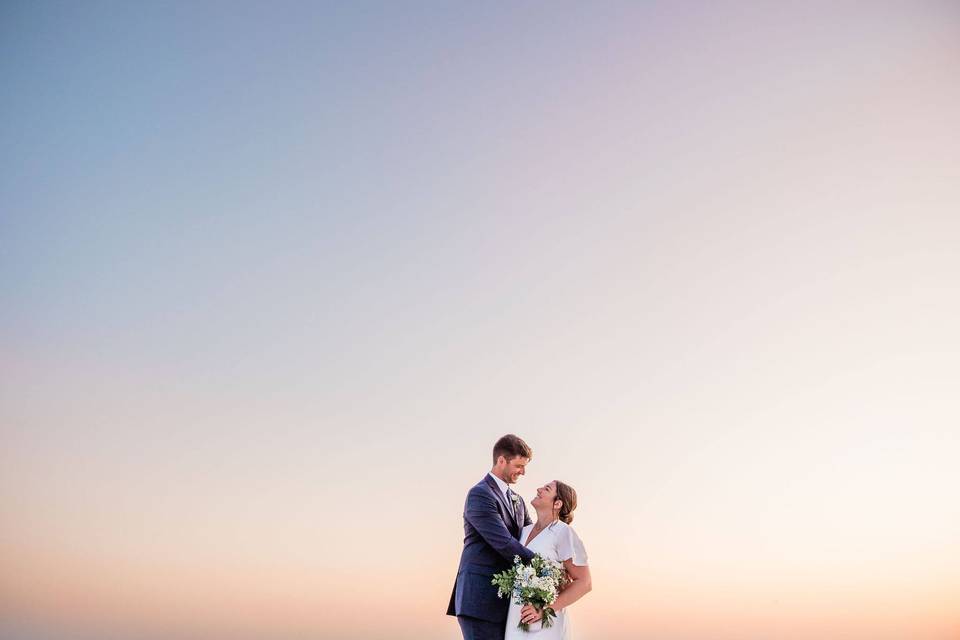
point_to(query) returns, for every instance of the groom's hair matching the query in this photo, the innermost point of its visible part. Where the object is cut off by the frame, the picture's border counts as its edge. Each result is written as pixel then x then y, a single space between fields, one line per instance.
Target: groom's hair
pixel 511 446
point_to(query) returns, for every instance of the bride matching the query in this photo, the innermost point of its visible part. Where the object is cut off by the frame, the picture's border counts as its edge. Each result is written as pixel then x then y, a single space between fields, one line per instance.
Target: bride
pixel 553 538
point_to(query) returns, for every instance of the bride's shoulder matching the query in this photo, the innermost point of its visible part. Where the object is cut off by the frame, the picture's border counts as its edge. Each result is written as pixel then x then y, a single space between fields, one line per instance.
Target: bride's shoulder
pixel 569 545
pixel 561 527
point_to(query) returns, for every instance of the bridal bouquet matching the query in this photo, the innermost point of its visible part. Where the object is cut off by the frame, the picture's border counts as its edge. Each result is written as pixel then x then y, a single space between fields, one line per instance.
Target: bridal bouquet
pixel 536 584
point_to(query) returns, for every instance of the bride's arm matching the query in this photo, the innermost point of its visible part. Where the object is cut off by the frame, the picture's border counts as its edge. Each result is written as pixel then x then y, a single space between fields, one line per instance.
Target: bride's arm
pixel 579 586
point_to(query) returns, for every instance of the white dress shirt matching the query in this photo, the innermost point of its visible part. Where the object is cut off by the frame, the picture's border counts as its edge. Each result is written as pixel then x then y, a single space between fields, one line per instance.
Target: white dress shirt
pixel 502 485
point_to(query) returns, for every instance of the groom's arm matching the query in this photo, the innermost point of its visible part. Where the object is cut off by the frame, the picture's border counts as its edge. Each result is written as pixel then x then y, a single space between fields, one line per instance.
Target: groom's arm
pixel 481 512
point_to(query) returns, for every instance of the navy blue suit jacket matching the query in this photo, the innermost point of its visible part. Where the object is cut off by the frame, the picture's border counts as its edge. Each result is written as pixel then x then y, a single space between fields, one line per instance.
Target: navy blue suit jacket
pixel 491 534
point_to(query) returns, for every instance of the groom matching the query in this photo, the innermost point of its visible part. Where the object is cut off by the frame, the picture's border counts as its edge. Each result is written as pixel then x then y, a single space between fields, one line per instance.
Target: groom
pixel 493 517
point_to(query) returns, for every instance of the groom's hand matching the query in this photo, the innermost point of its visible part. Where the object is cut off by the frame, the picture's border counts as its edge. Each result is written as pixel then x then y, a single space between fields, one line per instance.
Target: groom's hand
pixel 529 614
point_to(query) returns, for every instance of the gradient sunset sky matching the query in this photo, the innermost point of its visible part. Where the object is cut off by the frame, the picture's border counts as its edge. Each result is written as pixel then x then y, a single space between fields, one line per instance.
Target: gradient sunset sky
pixel 274 276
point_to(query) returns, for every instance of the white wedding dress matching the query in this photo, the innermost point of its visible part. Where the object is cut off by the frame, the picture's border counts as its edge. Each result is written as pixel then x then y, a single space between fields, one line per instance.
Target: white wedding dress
pixel 557 542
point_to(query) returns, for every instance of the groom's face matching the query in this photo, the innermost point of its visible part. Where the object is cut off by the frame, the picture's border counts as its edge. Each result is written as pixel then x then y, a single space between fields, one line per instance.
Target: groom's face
pixel 514 468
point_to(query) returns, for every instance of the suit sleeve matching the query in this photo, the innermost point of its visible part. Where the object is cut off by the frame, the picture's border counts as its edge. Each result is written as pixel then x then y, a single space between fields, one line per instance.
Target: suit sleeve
pixel 481 512
pixel 526 518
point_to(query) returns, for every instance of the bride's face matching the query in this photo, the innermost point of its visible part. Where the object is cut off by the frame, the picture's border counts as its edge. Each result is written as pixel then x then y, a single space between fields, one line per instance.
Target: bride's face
pixel 546 496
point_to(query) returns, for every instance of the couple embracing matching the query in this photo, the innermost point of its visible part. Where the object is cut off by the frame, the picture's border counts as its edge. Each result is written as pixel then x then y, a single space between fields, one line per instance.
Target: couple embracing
pixel 497 528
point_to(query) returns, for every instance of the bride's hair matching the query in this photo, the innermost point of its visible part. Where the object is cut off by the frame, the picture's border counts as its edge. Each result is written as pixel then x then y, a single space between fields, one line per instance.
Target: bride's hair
pixel 568 496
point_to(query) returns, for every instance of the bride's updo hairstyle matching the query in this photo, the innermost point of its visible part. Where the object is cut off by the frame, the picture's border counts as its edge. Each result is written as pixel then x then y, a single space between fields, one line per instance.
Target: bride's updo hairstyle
pixel 568 496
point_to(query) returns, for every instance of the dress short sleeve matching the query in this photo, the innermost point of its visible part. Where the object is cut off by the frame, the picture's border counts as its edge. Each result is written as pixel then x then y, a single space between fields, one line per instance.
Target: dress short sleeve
pixel 570 547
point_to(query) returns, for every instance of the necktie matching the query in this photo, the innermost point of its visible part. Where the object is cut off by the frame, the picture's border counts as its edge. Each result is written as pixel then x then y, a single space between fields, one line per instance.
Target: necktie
pixel 514 504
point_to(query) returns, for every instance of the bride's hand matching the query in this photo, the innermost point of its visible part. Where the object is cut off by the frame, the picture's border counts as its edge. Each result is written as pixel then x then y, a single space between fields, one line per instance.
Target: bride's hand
pixel 529 614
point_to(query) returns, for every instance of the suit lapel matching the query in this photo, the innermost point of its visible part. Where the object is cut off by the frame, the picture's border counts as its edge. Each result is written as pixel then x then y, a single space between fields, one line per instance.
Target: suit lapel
pixel 502 498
